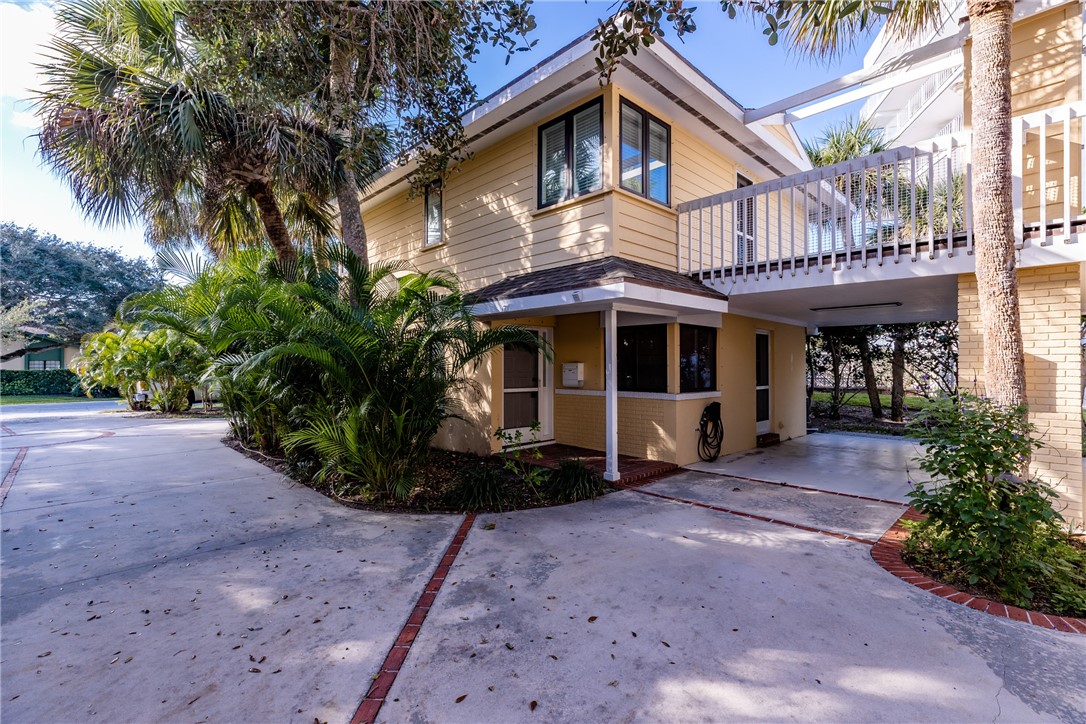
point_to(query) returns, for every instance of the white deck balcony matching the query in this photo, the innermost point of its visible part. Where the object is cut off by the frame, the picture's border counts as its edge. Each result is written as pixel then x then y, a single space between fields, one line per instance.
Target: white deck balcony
pixel 901 214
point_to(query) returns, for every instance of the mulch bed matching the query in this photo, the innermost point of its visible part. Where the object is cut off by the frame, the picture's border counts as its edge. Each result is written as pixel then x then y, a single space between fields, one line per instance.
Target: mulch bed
pixel 856 419
pixel 434 480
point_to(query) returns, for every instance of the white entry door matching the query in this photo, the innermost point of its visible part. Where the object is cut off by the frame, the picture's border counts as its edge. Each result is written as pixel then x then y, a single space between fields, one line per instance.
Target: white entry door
pixel 526 385
pixel 762 404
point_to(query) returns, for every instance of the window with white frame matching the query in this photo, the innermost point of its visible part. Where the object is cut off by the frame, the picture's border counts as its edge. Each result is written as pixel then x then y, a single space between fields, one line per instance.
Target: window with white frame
pixel 646 154
pixel 571 155
pixel 434 226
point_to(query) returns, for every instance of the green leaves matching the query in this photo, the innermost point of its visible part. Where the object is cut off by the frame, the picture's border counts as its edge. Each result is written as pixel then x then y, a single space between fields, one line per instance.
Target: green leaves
pixel 982 518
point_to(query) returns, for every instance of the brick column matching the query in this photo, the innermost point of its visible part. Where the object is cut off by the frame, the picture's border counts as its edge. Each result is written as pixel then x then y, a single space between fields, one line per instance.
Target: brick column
pixel 1051 304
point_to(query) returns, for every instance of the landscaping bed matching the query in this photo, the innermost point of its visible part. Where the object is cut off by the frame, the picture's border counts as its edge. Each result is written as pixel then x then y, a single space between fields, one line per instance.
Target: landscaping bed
pixel 1053 595
pixel 450 481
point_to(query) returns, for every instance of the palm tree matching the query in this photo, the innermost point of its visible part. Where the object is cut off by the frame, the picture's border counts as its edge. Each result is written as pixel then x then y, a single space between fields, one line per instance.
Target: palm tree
pixel 136 135
pixel 824 28
pixel 351 368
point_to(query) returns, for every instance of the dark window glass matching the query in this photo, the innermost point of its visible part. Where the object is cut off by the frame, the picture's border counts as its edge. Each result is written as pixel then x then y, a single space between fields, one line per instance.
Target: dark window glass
pixel 633 141
pixel 642 358
pixel 434 218
pixel 697 358
pixel 761 356
pixel 571 155
pixel 646 154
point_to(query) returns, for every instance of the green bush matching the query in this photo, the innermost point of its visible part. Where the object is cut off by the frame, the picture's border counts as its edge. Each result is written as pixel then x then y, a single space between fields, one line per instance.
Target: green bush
pixel 351 369
pixel 985 525
pixel 163 361
pixel 573 481
pixel 38 382
pixel 480 487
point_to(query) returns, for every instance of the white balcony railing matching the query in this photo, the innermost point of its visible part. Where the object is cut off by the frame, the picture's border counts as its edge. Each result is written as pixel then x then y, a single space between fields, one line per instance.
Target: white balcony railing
pixel 909 204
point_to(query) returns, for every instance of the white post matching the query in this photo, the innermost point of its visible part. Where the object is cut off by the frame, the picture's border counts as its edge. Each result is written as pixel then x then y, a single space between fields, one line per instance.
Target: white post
pixel 610 348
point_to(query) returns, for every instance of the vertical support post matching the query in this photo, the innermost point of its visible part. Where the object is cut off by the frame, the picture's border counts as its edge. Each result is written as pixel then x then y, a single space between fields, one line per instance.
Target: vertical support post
pixel 1018 139
pixel 610 345
pixel 1066 236
pixel 1042 184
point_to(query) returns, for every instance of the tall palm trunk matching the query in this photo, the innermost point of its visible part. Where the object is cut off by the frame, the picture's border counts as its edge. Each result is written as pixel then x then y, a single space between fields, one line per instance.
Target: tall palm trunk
pixel 993 219
pixel 352 231
pixel 260 191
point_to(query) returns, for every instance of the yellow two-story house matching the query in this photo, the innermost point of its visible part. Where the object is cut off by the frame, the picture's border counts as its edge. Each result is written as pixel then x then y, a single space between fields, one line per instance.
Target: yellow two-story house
pixel 675 248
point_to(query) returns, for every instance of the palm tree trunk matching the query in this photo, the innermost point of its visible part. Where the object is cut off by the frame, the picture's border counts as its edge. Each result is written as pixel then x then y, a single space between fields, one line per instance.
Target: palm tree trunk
pixel 260 191
pixel 993 218
pixel 352 231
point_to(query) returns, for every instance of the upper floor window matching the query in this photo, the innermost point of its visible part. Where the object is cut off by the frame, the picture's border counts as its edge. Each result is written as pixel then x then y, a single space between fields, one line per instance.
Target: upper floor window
pixel 646 154
pixel 571 155
pixel 435 220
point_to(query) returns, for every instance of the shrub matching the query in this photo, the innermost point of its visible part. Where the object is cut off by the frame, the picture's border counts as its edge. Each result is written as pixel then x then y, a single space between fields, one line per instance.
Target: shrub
pixel 991 527
pixel 351 366
pixel 38 382
pixel 573 481
pixel 480 487
pixel 162 360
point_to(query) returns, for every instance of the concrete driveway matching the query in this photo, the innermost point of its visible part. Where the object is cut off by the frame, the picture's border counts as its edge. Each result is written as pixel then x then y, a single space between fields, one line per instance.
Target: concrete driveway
pixel 876 466
pixel 155 575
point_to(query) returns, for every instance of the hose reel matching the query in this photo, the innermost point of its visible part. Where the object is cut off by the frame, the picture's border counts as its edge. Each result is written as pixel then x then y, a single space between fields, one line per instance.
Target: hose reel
pixel 710 433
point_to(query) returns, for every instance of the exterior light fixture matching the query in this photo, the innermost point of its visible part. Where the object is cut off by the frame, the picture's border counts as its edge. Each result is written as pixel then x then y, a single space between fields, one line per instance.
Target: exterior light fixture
pixel 856 306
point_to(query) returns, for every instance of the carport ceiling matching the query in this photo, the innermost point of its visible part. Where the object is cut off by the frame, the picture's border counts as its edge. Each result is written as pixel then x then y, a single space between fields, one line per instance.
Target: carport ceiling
pixel 890 301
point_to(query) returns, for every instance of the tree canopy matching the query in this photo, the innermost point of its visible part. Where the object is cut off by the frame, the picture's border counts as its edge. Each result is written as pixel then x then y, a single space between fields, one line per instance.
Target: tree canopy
pixel 74 288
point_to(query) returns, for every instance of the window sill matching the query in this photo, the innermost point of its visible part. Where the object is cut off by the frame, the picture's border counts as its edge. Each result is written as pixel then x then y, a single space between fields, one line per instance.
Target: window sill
pixel 431 247
pixel 564 205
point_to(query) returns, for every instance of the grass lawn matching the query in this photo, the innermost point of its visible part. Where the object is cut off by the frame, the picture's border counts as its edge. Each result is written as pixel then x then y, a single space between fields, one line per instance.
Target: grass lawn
pixel 39 399
pixel 859 399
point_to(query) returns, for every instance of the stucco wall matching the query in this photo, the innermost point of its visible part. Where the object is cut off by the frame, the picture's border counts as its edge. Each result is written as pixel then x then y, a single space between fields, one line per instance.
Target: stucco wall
pixel 788 393
pixel 1051 302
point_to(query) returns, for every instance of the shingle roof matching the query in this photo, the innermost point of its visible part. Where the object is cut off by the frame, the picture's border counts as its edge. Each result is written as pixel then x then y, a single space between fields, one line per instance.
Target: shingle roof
pixel 594 273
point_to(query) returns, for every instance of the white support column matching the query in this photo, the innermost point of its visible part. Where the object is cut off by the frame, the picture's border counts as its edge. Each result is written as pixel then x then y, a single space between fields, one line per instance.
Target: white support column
pixel 610 350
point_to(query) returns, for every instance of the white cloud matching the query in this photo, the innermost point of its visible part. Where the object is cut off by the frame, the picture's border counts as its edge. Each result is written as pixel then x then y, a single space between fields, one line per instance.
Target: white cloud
pixel 24 27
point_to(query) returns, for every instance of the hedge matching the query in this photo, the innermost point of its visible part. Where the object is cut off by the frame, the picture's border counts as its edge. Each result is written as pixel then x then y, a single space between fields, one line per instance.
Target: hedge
pixel 39 382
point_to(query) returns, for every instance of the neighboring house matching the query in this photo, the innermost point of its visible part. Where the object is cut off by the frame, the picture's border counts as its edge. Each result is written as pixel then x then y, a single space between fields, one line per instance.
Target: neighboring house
pixel 43 353
pixel 676 248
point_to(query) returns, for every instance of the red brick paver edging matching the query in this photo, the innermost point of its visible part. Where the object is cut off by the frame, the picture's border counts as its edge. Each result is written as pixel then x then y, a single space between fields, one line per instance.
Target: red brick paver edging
pixel 9 478
pixel 887 553
pixel 375 698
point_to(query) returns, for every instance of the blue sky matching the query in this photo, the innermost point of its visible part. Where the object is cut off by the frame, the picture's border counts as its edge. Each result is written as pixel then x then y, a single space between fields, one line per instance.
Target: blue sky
pixel 733 53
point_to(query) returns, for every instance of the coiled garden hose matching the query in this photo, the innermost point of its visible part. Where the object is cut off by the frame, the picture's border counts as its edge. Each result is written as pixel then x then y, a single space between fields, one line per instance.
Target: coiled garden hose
pixel 710 433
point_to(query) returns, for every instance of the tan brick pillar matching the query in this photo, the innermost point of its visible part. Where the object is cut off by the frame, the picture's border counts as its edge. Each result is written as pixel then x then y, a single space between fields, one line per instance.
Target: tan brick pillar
pixel 1051 304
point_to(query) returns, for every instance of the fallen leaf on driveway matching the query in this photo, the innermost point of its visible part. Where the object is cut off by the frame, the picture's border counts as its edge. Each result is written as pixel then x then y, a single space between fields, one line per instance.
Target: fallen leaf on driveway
pixel 461 698
pixel 665 643
pixel 592 619
pixel 533 704
pixel 47 653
